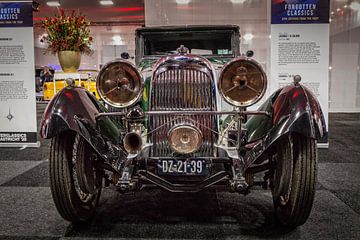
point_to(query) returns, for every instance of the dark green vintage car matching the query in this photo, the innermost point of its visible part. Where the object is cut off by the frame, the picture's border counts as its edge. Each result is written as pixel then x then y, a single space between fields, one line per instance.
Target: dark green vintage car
pixel 179 121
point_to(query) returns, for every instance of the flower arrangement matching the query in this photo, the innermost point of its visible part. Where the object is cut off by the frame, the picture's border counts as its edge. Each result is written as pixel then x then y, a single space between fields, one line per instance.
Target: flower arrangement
pixel 67 33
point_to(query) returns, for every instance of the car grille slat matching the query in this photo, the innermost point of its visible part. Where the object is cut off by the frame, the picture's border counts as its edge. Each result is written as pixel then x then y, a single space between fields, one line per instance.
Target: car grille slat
pixel 182 89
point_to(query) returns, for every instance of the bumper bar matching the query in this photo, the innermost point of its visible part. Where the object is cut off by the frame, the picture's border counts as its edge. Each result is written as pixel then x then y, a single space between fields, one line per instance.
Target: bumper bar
pixel 148 176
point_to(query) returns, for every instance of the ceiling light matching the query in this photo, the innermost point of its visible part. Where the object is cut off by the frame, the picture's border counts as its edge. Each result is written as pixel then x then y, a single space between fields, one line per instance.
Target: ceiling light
pixel 355 6
pixel 183 1
pixel 117 40
pixel 53 4
pixel 248 36
pixel 106 2
pixel 238 1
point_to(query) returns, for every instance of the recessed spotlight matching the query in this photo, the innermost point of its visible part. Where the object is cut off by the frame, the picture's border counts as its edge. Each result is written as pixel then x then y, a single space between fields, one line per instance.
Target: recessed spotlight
pixel 330 68
pixel 248 36
pixel 106 2
pixel 53 3
pixel 355 6
pixel 338 9
pixel 183 1
pixel 117 40
pixel 238 1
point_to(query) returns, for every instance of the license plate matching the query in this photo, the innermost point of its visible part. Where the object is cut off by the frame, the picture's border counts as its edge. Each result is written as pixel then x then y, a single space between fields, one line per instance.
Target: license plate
pixel 182 167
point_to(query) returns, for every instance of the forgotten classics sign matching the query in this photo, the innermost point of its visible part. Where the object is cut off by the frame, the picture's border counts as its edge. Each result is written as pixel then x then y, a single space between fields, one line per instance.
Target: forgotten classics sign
pixel 16 14
pixel 299 11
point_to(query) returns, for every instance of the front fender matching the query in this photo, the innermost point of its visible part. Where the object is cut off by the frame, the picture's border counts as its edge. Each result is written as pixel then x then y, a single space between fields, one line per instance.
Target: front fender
pixel 75 109
pixel 296 109
pixel 293 109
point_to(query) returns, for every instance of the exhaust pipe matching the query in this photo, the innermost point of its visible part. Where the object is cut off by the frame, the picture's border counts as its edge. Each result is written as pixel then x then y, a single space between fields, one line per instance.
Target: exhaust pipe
pixel 133 142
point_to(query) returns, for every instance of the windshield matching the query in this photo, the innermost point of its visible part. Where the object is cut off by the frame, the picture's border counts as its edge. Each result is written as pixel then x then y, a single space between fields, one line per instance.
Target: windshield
pixel 198 42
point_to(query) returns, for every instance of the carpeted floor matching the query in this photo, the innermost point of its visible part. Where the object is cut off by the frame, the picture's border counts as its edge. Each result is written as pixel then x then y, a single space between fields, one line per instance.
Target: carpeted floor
pixel 27 210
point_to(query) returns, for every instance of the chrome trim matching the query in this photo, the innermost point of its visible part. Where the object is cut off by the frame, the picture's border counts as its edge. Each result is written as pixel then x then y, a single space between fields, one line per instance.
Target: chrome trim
pixel 182 82
pixel 140 93
pixel 196 187
pixel 251 102
pixel 188 126
pixel 185 113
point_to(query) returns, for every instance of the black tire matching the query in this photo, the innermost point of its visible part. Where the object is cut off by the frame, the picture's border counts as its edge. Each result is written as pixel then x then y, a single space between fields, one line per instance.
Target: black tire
pixel 293 182
pixel 66 148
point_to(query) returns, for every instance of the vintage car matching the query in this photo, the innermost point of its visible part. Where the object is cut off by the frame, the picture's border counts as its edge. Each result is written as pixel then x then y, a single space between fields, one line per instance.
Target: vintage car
pixel 85 78
pixel 180 121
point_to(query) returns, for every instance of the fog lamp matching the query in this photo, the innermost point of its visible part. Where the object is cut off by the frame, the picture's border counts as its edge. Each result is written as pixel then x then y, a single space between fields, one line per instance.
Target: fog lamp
pixel 185 139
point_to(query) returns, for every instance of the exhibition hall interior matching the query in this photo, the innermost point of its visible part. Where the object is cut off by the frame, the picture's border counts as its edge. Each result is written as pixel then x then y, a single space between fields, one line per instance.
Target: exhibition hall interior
pixel 179 119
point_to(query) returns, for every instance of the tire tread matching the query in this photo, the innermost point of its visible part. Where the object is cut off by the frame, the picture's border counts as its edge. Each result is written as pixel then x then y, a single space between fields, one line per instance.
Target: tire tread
pixel 61 185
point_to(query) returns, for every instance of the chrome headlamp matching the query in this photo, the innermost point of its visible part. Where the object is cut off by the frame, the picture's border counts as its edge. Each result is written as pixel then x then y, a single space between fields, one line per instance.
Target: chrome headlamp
pixel 185 139
pixel 242 82
pixel 119 84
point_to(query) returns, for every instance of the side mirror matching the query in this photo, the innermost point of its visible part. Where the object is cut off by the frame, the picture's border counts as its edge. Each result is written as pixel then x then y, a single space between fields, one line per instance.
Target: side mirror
pixel 250 53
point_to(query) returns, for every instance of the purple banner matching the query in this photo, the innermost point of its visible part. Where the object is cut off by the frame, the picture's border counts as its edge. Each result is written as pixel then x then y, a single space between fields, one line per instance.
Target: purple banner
pixel 16 14
pixel 299 11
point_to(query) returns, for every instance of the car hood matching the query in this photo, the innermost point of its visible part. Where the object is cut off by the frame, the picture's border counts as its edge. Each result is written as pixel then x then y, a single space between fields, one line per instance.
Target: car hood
pixel 146 65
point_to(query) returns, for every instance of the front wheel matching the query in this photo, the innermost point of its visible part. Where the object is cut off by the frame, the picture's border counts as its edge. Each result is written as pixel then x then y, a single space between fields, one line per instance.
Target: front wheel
pixel 293 181
pixel 69 153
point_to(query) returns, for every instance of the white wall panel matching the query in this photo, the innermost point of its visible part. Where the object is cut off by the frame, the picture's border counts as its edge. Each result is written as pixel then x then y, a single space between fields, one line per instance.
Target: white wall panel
pixel 103 40
pixel 251 16
pixel 344 77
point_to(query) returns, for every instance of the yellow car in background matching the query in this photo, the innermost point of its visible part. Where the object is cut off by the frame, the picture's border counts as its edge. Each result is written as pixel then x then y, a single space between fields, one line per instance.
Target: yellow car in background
pixel 83 78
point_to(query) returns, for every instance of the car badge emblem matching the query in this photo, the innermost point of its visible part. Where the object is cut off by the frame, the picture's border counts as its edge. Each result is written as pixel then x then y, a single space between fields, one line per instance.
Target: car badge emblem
pixel 182 50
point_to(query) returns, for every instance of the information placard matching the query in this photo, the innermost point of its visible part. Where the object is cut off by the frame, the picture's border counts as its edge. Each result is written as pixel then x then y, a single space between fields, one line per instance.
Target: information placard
pixel 17 77
pixel 301 49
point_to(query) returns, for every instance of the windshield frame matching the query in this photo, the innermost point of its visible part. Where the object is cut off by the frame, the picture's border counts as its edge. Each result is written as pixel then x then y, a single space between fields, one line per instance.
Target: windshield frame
pixel 141 33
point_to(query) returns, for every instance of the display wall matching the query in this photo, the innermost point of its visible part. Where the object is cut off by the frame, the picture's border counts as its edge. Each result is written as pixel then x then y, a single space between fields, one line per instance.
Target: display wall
pixel 251 16
pixel 344 71
pixel 109 43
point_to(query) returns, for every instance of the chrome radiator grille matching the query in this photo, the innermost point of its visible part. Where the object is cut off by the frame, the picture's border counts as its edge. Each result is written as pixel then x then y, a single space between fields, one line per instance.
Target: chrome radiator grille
pixel 182 89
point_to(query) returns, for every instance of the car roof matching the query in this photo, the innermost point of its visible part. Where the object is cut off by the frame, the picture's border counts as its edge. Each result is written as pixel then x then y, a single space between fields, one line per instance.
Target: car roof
pixel 187 28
